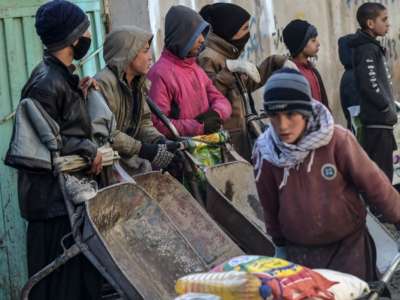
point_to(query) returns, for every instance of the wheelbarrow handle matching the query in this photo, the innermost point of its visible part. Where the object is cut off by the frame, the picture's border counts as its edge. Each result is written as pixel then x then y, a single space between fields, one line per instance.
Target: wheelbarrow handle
pixel 69 253
pixel 387 276
pixel 167 122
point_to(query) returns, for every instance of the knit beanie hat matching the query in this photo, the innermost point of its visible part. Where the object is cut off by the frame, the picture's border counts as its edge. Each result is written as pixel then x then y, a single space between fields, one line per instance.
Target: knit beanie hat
pixel 297 34
pixel 287 90
pixel 59 23
pixel 217 15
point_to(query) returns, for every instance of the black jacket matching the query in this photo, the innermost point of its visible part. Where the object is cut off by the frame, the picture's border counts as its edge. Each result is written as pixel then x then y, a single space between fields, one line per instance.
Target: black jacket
pixel 349 95
pixel 373 81
pixel 57 90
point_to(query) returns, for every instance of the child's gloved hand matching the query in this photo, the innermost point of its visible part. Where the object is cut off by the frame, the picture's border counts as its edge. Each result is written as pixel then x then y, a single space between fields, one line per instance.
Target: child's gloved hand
pixel 209 114
pixel 211 120
pixel 280 252
pixel 244 67
pixel 160 155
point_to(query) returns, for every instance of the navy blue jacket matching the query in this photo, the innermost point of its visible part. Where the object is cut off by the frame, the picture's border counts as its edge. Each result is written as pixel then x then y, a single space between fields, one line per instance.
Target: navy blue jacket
pixel 349 95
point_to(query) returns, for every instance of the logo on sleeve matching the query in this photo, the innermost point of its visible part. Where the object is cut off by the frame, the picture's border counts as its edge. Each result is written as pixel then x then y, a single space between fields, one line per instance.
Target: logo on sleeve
pixel 328 171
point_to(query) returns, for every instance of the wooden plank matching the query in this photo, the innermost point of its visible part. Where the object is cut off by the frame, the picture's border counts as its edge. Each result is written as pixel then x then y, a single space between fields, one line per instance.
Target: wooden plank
pixel 15 10
pixel 4 87
pixel 15 57
pixel 100 33
pixel 4 108
pixel 14 233
pixel 33 47
pixel 90 67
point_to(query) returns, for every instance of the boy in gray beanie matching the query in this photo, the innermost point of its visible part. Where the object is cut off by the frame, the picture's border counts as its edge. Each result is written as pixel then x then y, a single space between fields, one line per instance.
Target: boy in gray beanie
pixel 308 180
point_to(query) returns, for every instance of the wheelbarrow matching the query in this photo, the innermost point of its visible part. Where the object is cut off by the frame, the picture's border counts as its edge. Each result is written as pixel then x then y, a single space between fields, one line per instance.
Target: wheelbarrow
pixel 388 258
pixel 139 244
pixel 231 195
pixel 232 200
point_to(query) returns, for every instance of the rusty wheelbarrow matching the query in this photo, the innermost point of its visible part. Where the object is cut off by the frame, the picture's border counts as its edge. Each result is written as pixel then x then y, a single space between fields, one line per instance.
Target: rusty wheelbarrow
pixel 142 236
pixel 155 232
pixel 231 197
pixel 388 258
pixel 232 200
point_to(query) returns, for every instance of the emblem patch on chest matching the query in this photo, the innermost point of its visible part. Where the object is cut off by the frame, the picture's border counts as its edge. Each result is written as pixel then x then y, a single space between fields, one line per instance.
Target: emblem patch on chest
pixel 328 171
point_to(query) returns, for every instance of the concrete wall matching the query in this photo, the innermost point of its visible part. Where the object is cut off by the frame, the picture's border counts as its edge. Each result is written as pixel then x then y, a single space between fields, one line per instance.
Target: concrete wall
pixel 333 19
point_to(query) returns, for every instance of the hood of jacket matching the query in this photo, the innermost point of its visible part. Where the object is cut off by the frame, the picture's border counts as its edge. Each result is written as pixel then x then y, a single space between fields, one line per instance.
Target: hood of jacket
pixel 361 38
pixel 122 45
pixel 183 26
pixel 345 51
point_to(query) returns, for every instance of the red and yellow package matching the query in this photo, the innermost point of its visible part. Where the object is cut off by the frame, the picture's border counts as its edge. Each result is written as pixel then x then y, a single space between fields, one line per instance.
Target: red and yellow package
pixel 287 280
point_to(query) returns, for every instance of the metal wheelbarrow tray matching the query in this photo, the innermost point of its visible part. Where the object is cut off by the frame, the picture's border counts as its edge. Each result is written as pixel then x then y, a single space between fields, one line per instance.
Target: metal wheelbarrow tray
pixel 232 200
pixel 150 243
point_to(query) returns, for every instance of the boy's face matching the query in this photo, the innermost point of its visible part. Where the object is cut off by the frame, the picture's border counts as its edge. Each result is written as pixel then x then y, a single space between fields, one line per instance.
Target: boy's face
pixel 196 46
pixel 380 25
pixel 141 63
pixel 289 126
pixel 312 47
pixel 245 29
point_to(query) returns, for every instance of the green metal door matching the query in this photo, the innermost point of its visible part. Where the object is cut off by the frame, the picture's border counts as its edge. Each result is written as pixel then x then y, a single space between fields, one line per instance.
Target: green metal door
pixel 20 51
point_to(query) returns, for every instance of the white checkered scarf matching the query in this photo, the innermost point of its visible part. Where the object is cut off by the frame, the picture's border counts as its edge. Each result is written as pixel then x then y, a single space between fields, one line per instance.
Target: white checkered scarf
pixel 269 147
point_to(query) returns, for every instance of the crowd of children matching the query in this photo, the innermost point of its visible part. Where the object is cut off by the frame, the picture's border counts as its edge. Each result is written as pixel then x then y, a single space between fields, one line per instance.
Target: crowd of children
pixel 306 167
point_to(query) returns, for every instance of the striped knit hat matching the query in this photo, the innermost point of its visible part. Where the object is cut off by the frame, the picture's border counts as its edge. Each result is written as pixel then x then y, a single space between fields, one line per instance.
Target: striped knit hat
pixel 287 90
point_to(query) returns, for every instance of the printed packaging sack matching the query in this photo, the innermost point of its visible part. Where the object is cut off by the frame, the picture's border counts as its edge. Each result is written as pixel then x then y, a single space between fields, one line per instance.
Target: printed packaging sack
pixel 287 280
pixel 349 287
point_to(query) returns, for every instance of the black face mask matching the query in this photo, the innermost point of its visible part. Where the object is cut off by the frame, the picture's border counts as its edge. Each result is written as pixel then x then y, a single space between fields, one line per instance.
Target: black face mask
pixel 82 47
pixel 240 43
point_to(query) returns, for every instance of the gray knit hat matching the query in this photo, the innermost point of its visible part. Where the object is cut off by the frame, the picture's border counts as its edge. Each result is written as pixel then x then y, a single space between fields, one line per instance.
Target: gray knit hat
pixel 287 90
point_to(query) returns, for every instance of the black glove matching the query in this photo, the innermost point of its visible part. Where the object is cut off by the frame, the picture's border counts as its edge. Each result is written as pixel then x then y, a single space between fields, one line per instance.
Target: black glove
pixel 160 155
pixel 209 114
pixel 175 168
pixel 211 120
pixel 148 151
pixel 212 125
pixel 172 146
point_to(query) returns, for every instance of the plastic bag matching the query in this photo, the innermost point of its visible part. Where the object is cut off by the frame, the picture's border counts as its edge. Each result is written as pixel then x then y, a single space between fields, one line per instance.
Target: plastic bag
pixel 197 296
pixel 287 280
pixel 349 287
pixel 228 285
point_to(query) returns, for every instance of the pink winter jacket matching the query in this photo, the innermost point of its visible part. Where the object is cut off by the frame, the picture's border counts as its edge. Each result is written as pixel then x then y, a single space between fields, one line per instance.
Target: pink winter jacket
pixel 185 82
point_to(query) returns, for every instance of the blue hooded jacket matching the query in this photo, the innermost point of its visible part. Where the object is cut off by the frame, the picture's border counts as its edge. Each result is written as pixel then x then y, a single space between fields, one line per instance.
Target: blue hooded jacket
pixel 349 95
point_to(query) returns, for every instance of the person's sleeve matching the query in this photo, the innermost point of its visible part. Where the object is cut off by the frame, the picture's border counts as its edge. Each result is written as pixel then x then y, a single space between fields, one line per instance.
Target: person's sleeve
pixel 222 78
pixel 218 102
pixel 365 72
pixel 51 101
pixel 161 95
pixel 268 66
pixel 268 192
pixel 123 143
pixel 83 147
pixel 147 132
pixel 368 178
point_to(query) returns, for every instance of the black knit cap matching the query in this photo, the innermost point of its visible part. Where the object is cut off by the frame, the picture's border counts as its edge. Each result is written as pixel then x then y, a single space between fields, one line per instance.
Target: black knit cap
pixel 225 18
pixel 287 90
pixel 59 23
pixel 296 35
